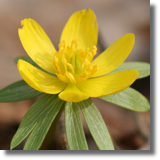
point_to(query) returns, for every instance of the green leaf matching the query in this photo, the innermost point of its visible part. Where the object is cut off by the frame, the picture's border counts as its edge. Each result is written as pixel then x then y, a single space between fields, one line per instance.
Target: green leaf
pixel 37 122
pixel 74 129
pixel 129 99
pixel 18 91
pixel 29 60
pixel 96 125
pixel 142 67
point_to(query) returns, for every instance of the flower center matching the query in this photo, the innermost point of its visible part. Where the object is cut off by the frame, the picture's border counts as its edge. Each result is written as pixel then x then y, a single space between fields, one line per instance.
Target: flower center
pixel 73 65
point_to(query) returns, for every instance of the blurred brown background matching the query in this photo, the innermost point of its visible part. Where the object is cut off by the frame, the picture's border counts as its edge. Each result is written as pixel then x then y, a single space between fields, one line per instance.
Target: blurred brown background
pixel 129 130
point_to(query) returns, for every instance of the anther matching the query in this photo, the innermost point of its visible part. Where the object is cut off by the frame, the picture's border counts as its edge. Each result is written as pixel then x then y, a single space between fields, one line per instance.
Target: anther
pixel 86 62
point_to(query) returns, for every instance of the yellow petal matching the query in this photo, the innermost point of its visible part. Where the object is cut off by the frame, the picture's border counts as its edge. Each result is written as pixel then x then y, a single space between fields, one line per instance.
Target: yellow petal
pixel 82 25
pixel 72 94
pixel 39 80
pixel 114 56
pixel 37 44
pixel 109 84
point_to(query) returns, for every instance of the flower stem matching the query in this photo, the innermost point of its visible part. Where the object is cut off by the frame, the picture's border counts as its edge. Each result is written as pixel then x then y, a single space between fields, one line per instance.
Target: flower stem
pixel 60 140
pixel 48 141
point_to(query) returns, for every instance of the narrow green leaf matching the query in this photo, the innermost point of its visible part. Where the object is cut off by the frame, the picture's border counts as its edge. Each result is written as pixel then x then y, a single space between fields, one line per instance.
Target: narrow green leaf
pixel 74 129
pixel 129 99
pixel 96 125
pixel 37 122
pixel 18 91
pixel 142 67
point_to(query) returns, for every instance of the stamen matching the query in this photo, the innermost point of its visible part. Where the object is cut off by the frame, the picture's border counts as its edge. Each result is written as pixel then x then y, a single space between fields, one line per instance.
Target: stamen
pixel 90 54
pixel 86 62
pixel 71 77
pixel 62 78
pixel 64 64
pixel 73 65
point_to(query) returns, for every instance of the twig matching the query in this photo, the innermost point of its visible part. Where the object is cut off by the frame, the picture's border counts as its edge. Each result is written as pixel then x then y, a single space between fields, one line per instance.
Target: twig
pixel 48 143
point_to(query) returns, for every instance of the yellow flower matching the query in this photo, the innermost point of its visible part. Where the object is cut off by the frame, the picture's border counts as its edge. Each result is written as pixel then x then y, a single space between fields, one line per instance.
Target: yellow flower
pixel 76 77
